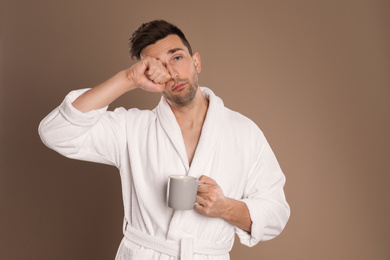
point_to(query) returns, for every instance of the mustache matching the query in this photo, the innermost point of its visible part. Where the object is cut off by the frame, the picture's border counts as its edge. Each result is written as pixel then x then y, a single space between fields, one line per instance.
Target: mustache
pixel 178 82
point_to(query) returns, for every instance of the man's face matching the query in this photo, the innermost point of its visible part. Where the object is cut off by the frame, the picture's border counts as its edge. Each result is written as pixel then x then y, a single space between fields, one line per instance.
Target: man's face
pixel 182 67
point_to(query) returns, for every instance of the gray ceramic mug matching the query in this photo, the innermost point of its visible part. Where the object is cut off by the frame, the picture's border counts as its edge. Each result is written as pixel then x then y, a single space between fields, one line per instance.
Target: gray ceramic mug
pixel 182 191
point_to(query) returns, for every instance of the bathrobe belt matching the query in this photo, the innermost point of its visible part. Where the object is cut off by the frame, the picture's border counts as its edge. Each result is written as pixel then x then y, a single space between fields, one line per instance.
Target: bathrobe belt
pixel 185 248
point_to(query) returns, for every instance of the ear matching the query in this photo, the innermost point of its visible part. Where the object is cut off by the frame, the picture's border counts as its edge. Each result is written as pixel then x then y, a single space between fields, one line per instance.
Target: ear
pixel 196 59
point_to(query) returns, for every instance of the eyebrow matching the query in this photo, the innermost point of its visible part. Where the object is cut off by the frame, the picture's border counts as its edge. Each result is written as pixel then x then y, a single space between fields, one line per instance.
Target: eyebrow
pixel 175 50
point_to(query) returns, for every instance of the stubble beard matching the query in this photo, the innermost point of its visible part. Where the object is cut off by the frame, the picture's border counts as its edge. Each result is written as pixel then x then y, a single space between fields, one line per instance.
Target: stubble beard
pixel 183 99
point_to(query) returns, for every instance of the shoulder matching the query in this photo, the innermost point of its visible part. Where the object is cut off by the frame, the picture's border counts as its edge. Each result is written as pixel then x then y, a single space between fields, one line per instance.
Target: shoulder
pixel 243 131
pixel 241 123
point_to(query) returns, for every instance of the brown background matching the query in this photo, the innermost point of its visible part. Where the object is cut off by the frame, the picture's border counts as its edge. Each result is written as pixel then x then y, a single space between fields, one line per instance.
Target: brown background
pixel 314 75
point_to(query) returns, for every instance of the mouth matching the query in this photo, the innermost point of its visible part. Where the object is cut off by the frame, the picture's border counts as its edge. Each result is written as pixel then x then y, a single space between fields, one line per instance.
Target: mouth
pixel 178 86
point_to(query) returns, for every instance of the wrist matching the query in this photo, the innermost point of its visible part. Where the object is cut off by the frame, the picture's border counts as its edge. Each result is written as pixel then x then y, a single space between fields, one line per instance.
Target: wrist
pixel 129 79
pixel 237 213
pixel 227 213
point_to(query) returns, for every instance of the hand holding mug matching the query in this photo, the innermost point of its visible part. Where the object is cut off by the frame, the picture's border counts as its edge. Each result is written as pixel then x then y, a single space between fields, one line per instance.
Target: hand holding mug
pixel 210 198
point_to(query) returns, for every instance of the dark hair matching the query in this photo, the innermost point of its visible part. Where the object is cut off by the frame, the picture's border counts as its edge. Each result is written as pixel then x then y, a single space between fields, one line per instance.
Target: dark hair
pixel 149 33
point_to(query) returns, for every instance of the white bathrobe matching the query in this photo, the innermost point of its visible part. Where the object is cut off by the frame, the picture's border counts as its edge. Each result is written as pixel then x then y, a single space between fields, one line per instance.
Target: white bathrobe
pixel 147 146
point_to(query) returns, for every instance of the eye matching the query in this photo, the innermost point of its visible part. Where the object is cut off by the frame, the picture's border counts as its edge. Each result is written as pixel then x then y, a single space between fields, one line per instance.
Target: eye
pixel 177 58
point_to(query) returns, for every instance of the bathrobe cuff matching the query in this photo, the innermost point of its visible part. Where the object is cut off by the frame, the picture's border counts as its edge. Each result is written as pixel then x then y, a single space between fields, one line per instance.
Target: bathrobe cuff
pixel 76 117
pixel 257 229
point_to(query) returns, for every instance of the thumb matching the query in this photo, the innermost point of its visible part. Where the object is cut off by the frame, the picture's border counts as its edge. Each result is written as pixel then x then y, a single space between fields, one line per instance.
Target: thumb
pixel 149 85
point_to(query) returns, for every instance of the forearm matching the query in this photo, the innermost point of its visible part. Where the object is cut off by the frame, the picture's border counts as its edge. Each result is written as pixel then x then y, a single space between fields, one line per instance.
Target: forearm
pixel 237 214
pixel 104 94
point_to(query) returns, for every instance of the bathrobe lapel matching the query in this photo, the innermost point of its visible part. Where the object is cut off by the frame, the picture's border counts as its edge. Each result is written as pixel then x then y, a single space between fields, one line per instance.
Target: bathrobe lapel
pixel 210 136
pixel 172 129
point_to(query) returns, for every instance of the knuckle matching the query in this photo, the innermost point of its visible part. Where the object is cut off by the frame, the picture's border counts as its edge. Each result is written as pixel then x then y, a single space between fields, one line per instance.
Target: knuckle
pixel 150 71
pixel 208 204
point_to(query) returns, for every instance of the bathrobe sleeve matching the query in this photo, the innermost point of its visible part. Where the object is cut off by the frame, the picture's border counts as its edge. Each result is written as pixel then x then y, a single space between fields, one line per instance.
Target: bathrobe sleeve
pixel 96 136
pixel 264 196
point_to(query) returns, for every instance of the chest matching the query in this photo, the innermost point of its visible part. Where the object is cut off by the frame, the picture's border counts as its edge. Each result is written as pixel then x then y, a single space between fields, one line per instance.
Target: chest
pixel 191 138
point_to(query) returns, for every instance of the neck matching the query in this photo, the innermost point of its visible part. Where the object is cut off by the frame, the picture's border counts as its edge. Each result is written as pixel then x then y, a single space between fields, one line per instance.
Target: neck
pixel 194 113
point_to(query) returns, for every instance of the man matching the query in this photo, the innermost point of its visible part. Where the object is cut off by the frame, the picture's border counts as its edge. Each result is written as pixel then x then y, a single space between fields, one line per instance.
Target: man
pixel 190 133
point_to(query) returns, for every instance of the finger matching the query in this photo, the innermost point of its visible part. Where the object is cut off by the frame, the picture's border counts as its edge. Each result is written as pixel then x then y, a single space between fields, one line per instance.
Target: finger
pixel 204 204
pixel 154 68
pixel 205 188
pixel 201 201
pixel 207 180
pixel 162 78
pixel 152 73
pixel 159 76
pixel 170 83
pixel 151 67
pixel 200 209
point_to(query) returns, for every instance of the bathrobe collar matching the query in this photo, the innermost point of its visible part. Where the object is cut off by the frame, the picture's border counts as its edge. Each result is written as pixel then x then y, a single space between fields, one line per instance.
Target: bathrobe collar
pixel 209 138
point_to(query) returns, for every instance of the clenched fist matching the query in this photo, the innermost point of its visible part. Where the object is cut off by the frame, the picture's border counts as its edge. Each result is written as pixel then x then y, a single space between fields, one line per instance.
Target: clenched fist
pixel 149 74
